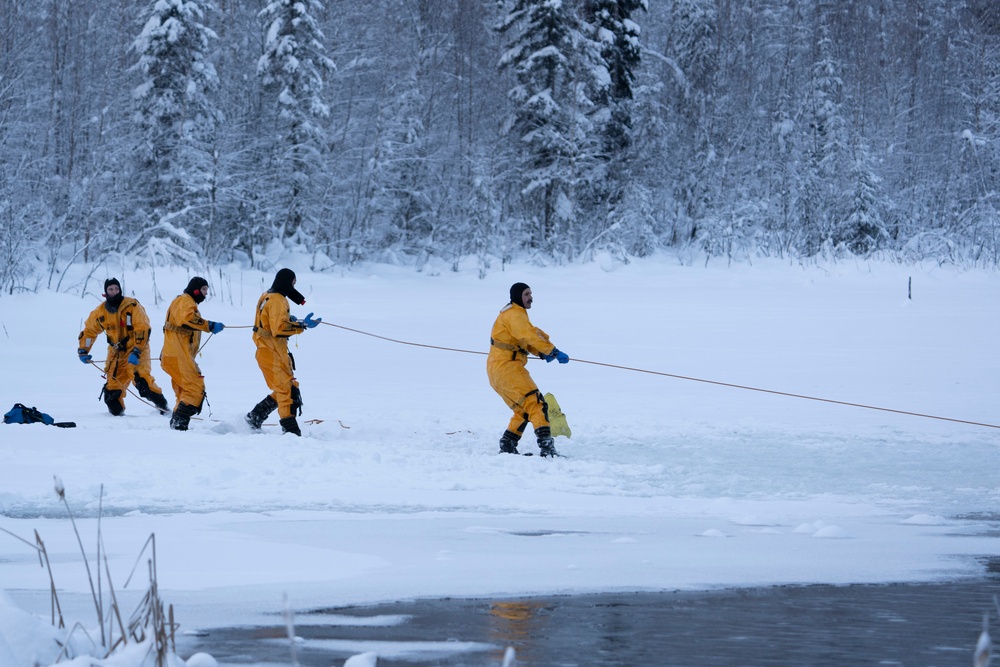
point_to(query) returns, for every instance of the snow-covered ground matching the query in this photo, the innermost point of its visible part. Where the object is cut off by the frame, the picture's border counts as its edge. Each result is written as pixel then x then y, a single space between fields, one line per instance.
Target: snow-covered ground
pixel 399 493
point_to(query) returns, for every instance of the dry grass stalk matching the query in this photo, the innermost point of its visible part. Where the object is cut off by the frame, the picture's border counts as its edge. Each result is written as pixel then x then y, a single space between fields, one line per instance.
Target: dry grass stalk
pixel 61 492
pixel 149 615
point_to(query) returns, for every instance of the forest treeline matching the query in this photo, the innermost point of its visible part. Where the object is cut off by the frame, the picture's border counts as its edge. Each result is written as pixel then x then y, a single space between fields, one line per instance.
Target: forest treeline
pixel 217 131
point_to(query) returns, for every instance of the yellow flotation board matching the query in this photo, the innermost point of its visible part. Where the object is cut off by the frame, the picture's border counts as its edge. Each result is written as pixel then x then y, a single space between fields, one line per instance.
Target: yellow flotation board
pixel 557 420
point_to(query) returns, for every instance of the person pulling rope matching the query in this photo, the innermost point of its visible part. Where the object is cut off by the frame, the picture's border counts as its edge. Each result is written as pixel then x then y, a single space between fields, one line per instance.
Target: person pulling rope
pixel 632 369
pixel 694 379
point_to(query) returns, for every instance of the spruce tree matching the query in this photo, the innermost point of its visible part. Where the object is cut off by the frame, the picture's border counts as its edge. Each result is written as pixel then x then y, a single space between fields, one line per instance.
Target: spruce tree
pixel 618 36
pixel 551 59
pixel 177 118
pixel 292 69
pixel 823 171
pixel 864 230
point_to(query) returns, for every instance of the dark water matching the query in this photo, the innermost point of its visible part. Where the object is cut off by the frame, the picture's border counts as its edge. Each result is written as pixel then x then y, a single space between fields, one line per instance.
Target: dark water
pixel 905 624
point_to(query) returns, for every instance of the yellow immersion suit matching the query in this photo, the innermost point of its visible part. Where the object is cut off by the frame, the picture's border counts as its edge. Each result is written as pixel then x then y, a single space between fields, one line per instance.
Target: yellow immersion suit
pixel 513 338
pixel 181 340
pixel 272 328
pixel 127 329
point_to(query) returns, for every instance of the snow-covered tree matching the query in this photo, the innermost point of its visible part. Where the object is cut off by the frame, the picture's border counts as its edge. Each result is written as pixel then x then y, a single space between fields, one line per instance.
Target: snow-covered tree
pixel 743 120
pixel 402 188
pixel 397 201
pixel 691 48
pixel 976 188
pixel 616 37
pixel 864 229
pixel 822 173
pixel 617 34
pixel 552 60
pixel 176 113
pixel 292 70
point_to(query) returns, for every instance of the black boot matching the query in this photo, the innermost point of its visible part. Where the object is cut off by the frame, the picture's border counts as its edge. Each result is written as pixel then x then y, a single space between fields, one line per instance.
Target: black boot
pixel 508 442
pixel 182 416
pixel 289 425
pixel 260 412
pixel 160 403
pixel 546 443
pixel 113 399
pixel 154 397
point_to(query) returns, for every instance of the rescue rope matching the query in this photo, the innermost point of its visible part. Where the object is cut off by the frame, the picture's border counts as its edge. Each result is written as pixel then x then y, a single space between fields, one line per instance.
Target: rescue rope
pixel 143 400
pixel 694 379
pixel 128 389
pixel 404 342
pixel 688 378
pixel 211 335
pixel 790 394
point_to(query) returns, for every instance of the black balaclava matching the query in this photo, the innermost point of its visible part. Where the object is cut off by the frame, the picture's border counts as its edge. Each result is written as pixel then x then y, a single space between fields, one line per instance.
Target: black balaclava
pixel 194 288
pixel 112 302
pixel 284 284
pixel 516 290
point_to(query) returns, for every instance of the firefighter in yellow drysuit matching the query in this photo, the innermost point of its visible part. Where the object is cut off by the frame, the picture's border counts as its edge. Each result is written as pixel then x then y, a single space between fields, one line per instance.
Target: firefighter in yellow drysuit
pixel 272 327
pixel 181 340
pixel 513 338
pixel 123 320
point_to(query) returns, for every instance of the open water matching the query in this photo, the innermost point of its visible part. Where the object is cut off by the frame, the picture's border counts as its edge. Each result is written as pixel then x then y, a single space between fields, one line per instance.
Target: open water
pixel 933 624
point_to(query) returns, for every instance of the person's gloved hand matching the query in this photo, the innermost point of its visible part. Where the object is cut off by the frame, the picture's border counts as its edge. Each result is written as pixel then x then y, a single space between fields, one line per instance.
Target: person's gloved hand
pixel 134 357
pixel 292 318
pixel 216 327
pixel 309 322
pixel 84 357
pixel 561 357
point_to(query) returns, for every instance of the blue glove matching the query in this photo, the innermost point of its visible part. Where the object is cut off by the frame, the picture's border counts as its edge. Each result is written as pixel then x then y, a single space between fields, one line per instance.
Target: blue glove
pixel 310 323
pixel 84 357
pixel 216 327
pixel 561 357
pixel 134 357
pixel 292 318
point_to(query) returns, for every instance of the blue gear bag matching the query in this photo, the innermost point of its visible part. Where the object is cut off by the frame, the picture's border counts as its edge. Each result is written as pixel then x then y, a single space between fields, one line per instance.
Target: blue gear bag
pixel 22 414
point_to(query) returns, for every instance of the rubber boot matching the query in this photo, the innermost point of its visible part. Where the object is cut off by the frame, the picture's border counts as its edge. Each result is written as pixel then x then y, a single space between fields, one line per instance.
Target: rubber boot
pixel 113 399
pixel 508 442
pixel 160 402
pixel 260 412
pixel 546 443
pixel 182 416
pixel 154 397
pixel 289 425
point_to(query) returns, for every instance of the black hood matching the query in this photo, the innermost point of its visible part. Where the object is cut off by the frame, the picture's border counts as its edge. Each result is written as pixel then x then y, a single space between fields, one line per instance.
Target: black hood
pixel 112 302
pixel 516 292
pixel 194 288
pixel 284 284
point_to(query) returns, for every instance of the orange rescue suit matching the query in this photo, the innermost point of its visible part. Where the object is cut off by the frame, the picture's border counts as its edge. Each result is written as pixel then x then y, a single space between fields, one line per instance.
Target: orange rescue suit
pixel 181 340
pixel 272 327
pixel 126 329
pixel 513 338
